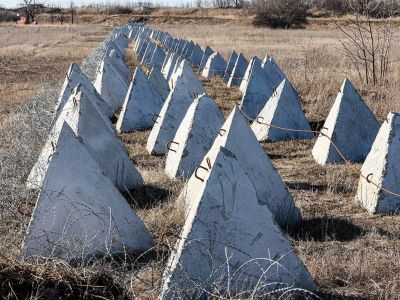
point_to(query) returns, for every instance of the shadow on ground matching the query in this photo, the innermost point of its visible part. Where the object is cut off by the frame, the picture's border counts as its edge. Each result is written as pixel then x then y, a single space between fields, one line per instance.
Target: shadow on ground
pixel 147 196
pixel 327 229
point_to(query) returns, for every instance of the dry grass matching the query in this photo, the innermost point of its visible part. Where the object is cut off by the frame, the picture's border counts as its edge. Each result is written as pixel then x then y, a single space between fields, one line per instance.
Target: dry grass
pixel 350 254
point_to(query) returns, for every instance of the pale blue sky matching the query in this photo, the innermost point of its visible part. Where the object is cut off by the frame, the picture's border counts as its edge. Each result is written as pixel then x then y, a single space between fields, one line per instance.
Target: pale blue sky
pixel 14 3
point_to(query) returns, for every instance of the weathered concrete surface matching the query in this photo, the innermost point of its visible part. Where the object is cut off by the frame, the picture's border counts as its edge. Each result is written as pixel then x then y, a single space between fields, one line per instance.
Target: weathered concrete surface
pixel 229 66
pixel 148 53
pixel 243 85
pixel 382 163
pixel 188 51
pixel 157 58
pixel 118 61
pixel 232 239
pixel 79 212
pixel 215 66
pixel 194 137
pixel 258 90
pixel 196 57
pixel 273 70
pixel 283 109
pixel 100 140
pixel 142 50
pixel 159 83
pixel 142 102
pixel 350 125
pixel 186 88
pixel 76 77
pixel 207 52
pixel 169 66
pixel 238 138
pixel 238 71
pixel 175 72
pixel 111 85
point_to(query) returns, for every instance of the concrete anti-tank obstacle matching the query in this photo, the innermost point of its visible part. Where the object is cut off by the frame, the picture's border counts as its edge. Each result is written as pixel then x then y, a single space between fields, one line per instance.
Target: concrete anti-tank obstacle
pixel 258 88
pixel 79 212
pixel 157 59
pixel 142 102
pixel 243 85
pixel 76 77
pixel 207 52
pixel 237 137
pixel 148 53
pixel 117 60
pixel 283 109
pixel 215 66
pixel 159 83
pixel 186 87
pixel 196 56
pixel 229 66
pixel 353 139
pixel 111 84
pixel 238 71
pixel 98 137
pixel 230 241
pixel 382 167
pixel 273 71
pixel 194 137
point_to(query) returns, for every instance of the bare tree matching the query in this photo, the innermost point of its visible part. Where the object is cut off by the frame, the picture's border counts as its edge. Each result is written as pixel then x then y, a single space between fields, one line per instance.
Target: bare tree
pixel 367 44
pixel 72 11
pixel 32 8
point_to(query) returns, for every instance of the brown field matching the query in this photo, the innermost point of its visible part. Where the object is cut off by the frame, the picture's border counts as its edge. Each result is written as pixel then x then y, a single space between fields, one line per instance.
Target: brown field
pixel 350 254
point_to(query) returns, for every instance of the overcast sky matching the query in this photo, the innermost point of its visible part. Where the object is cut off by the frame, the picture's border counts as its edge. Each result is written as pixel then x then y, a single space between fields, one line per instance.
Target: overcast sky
pixel 14 3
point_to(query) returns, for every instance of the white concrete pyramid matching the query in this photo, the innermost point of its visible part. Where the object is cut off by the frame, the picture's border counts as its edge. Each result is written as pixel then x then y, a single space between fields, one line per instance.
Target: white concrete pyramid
pixel 186 88
pixel 142 50
pixel 184 70
pixel 230 65
pixel 273 71
pixel 207 52
pixel 188 51
pixel 215 66
pixel 196 57
pixel 142 102
pixel 351 126
pixel 237 137
pixel 194 137
pixel 283 109
pixel 99 139
pixel 157 58
pixel 259 89
pixel 167 58
pixel 111 84
pixel 230 240
pixel 118 61
pixel 169 66
pixel 243 85
pixel 238 71
pixel 381 167
pixel 79 212
pixel 159 83
pixel 148 53
pixel 174 73
pixel 74 78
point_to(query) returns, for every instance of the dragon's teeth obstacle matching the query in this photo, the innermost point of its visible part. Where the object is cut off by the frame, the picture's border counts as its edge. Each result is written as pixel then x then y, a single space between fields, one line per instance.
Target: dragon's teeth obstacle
pixel 194 137
pixel 197 55
pixel 99 139
pixel 229 66
pixel 159 83
pixel 382 167
pixel 79 212
pixel 246 77
pixel 230 240
pixel 186 87
pixel 142 102
pixel 215 66
pixel 283 109
pixel 237 137
pixel 350 125
pixel 238 71
pixel 206 54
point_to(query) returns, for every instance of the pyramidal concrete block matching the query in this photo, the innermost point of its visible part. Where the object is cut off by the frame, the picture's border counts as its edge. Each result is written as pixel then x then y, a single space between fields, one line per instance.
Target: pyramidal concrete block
pixel 169 66
pixel 186 88
pixel 174 73
pixel 148 53
pixel 207 52
pixel 76 77
pixel 111 84
pixel 258 90
pixel 142 50
pixel 188 51
pixel 196 56
pixel 215 66
pixel 159 83
pixel 273 71
pixel 230 240
pixel 79 212
pixel 237 137
pixel 229 66
pixel 157 59
pixel 254 61
pixel 283 109
pixel 381 167
pixel 118 61
pixel 100 140
pixel 238 71
pixel 194 137
pixel 353 139
pixel 142 102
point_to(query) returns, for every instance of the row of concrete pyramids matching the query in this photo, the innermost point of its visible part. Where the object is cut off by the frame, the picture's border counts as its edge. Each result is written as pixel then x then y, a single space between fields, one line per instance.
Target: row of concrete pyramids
pixel 235 201
pixel 83 168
